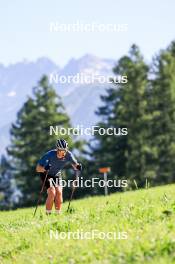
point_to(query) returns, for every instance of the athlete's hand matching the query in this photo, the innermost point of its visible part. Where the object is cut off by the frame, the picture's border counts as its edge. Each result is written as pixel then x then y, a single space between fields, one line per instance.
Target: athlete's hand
pixel 47 167
pixel 79 166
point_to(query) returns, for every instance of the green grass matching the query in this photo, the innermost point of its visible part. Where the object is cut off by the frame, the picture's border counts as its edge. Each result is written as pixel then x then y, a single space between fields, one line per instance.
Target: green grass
pixel 148 217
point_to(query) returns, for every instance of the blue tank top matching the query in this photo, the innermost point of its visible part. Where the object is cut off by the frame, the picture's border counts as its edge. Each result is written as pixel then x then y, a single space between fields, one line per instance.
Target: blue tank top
pixel 56 164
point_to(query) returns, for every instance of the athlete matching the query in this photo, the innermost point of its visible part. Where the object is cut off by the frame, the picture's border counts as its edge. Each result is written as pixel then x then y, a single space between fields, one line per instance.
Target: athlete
pixel 52 163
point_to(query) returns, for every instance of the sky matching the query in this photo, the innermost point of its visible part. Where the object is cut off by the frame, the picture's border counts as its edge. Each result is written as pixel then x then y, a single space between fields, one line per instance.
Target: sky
pixel 25 28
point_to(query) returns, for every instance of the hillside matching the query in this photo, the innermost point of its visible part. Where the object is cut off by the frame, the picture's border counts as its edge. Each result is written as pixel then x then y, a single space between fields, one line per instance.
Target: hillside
pixel 145 219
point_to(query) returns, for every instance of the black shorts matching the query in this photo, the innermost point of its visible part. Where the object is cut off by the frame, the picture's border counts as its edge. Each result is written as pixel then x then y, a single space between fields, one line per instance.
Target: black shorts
pixel 50 183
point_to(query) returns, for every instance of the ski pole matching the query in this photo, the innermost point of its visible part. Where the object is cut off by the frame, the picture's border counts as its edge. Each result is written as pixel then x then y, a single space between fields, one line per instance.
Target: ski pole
pixel 73 190
pixel 39 198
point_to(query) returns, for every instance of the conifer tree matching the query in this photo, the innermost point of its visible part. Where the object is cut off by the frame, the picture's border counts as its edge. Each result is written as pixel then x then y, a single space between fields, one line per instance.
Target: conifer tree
pixel 30 137
pixel 162 105
pixel 125 106
pixel 9 194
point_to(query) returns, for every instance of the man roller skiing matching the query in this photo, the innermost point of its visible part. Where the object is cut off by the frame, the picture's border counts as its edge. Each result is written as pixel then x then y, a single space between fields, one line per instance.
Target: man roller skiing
pixel 52 163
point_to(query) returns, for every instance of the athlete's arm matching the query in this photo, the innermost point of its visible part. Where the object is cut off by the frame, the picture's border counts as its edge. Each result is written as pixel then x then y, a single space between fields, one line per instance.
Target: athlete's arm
pixel 75 164
pixel 43 164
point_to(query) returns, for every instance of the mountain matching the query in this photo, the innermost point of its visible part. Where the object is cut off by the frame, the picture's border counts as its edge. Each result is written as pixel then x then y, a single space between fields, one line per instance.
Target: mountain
pixel 80 99
pixel 16 82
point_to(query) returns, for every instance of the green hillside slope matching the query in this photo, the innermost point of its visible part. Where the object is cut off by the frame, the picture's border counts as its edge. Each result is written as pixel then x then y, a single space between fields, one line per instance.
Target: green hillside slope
pixel 142 226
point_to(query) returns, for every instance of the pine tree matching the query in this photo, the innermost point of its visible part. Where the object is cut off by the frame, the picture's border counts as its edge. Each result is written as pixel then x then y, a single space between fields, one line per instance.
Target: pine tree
pixel 125 106
pixel 9 194
pixel 162 105
pixel 30 137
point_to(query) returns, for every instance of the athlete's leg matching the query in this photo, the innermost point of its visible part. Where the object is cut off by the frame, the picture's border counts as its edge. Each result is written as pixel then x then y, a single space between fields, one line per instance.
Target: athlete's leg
pixel 51 192
pixel 58 199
